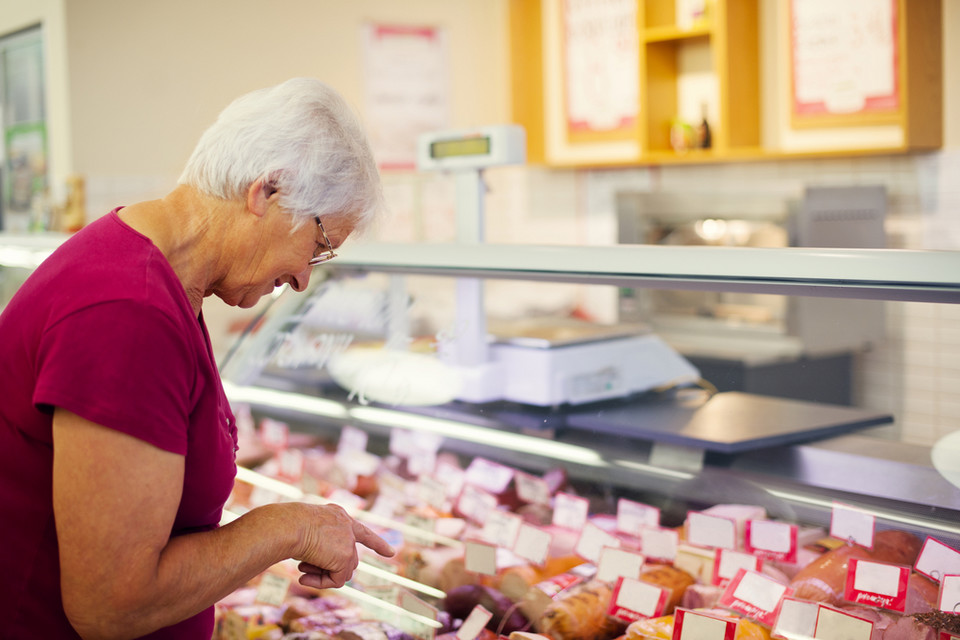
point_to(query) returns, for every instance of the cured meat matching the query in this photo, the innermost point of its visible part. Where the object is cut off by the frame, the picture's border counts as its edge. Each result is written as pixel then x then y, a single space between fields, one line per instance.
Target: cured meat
pixel 580 613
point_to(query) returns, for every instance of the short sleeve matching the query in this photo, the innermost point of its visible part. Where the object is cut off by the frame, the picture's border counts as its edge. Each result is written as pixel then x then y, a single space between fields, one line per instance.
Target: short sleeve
pixel 124 365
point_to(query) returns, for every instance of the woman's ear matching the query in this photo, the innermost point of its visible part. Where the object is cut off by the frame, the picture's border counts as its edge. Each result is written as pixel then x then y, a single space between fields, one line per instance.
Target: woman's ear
pixel 258 196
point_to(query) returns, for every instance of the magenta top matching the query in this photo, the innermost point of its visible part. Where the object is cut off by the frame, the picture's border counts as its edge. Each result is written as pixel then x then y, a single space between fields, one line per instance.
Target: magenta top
pixel 103 328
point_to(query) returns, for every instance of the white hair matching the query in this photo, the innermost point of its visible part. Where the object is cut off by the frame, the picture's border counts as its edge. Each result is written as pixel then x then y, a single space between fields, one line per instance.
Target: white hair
pixel 302 138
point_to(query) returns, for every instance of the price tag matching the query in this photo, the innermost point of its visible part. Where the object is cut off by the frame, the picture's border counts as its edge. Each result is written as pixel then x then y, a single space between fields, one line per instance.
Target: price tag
pixel 937 560
pixel 533 543
pixel 754 596
pixel 531 489
pixel 414 627
pixel 690 625
pixel 474 624
pixel 451 477
pixel 877 584
pixel 420 523
pixel 290 465
pixel 616 563
pixel 476 503
pixel 480 557
pixel 850 523
pixel 272 589
pixel 592 541
pixel 432 492
pixel 837 625
pixel 946 635
pixel 274 435
pixel 422 461
pixel 501 528
pixel 949 599
pixel 489 476
pixel 635 599
pixel 711 531
pixel 771 540
pixel 728 562
pixel 570 511
pixel 634 516
pixel 659 544
pixel 796 620
pixel 352 439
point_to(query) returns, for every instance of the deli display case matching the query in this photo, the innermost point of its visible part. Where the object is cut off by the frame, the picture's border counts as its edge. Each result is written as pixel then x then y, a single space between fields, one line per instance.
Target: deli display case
pixel 381 345
pixel 596 462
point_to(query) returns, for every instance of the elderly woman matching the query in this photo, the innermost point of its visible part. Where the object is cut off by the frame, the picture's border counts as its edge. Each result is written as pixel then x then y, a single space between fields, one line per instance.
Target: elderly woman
pixel 117 444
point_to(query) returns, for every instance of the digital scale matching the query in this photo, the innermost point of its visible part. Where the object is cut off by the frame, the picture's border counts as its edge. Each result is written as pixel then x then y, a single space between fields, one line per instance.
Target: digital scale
pixel 580 364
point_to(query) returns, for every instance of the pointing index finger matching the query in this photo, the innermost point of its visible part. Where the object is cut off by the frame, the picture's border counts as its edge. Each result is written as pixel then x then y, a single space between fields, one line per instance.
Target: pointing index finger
pixel 369 539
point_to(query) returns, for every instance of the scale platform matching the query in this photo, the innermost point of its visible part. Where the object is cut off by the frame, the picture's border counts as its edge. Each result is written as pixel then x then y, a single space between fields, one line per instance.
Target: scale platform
pixel 729 422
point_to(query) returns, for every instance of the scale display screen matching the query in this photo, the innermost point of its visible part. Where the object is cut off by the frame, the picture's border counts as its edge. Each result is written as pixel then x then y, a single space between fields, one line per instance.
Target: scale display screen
pixel 456 147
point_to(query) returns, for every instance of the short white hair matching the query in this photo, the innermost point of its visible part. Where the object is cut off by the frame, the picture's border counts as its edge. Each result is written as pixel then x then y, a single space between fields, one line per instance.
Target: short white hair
pixel 301 137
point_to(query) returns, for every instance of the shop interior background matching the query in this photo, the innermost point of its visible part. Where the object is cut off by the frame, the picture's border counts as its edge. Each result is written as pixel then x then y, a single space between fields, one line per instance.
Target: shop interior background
pixel 131 85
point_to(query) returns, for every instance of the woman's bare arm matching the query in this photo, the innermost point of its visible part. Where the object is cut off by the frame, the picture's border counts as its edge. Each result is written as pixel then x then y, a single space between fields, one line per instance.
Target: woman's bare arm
pixel 115 498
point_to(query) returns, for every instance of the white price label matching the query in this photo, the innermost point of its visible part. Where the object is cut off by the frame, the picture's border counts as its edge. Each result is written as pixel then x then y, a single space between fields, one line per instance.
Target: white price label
pixel 274 435
pixel 352 439
pixel 532 489
pixel 634 516
pixel 501 528
pixel 592 541
pixel 480 557
pixel 432 491
pixel 533 544
pixel 949 599
pixel 937 560
pixel 728 562
pixel 690 625
pixel 837 625
pixel 272 589
pixel 451 477
pixel 570 511
pixel 489 476
pixel 616 563
pixel 474 624
pixel 850 523
pixel 634 599
pixel 475 503
pixel 659 544
pixel 797 619
pixel 711 531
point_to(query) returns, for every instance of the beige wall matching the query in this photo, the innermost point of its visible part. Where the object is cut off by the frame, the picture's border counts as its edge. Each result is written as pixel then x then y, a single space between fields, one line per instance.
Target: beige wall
pixel 148 76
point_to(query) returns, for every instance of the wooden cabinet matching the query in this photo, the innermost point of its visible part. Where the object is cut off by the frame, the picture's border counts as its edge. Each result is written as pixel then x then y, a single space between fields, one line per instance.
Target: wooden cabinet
pixel 733 63
pixel 728 37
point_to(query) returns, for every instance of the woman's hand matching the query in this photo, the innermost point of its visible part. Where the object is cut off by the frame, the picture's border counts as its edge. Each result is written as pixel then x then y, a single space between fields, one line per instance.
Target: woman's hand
pixel 328 548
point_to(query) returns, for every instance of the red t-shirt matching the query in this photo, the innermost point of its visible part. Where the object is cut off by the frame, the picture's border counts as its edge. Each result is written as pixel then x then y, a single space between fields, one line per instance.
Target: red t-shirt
pixel 104 329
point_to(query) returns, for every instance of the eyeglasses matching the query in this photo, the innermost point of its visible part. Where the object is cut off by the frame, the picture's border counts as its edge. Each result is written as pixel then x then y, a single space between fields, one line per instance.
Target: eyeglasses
pixel 322 254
